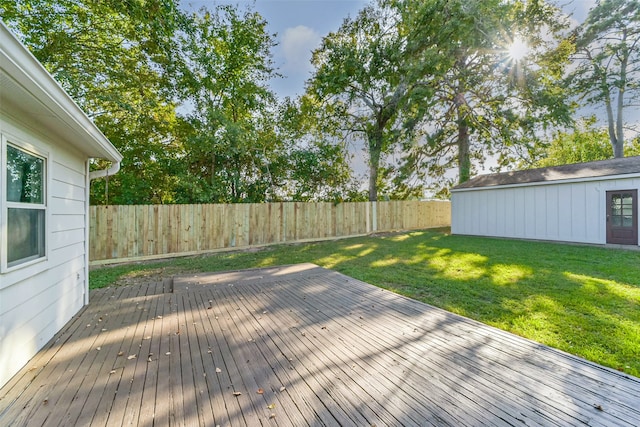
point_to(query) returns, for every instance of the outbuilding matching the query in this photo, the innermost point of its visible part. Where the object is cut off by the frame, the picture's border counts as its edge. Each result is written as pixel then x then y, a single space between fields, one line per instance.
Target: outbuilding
pixel 45 150
pixel 594 202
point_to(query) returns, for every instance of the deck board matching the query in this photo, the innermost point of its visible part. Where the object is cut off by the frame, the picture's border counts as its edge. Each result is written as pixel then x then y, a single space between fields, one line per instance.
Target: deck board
pixel 303 346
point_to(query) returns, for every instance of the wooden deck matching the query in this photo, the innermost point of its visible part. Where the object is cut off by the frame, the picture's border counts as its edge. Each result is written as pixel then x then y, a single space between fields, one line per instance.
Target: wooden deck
pixel 300 345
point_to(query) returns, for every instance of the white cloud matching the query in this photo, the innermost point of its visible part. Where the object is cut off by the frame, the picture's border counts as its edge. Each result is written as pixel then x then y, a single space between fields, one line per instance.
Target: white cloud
pixel 576 9
pixel 297 44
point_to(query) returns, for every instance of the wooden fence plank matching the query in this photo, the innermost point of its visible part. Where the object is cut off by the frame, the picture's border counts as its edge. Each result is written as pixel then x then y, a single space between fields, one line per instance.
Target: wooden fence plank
pixel 130 232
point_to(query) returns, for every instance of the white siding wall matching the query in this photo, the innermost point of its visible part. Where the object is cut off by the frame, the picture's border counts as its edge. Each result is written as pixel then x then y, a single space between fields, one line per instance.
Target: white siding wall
pixel 36 301
pixel 570 212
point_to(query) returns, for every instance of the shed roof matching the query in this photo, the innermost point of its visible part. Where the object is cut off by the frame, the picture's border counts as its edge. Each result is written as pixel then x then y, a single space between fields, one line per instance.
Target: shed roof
pixel 601 168
pixel 28 90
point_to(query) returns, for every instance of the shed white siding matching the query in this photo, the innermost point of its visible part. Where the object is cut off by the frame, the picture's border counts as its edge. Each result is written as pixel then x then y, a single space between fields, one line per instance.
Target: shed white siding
pixel 36 301
pixel 572 211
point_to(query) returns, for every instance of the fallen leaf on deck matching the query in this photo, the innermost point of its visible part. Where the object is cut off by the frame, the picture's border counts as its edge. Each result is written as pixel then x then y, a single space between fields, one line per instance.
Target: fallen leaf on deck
pixel 236 393
pixel 147 337
pixel 113 371
pixel 168 353
pixel 120 353
pixel 218 370
pixel 273 405
pixel 98 348
pixel 282 388
pixel 260 391
pixel 132 356
pixel 272 416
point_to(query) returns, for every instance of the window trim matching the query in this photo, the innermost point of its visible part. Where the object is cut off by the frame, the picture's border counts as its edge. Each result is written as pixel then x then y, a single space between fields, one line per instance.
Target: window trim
pixel 10 140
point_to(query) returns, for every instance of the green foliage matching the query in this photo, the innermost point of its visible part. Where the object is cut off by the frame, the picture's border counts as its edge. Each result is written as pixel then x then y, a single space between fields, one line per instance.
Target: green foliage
pixel 585 143
pixel 114 58
pixel 184 98
pixel 486 102
pixel 580 299
pixel 230 149
pixel 359 85
pixel 427 86
pixel 431 85
pixel 319 168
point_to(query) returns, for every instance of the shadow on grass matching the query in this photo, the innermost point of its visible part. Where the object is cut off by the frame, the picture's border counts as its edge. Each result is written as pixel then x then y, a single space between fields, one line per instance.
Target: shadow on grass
pixel 583 300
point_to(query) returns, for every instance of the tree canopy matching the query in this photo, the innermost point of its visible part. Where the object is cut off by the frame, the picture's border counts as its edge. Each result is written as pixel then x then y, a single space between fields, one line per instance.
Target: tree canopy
pixel 430 91
pixel 434 83
pixel 360 84
pixel 183 95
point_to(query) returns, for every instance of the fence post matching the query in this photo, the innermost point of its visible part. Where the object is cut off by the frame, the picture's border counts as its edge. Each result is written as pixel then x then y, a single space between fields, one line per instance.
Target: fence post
pixel 367 213
pixel 375 216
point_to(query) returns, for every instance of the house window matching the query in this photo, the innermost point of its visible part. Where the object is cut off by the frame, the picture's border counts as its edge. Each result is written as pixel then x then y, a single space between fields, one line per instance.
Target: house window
pixel 25 205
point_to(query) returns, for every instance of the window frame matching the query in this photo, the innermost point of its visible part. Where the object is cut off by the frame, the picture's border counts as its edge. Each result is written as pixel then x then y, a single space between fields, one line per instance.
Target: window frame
pixel 7 140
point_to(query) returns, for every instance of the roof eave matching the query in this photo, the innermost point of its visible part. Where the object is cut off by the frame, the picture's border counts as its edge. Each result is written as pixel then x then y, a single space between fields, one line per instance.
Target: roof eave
pixel 34 81
pixel 558 181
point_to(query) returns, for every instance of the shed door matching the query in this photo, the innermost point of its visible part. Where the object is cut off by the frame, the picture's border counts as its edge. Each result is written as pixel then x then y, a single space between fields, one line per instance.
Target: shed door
pixel 622 217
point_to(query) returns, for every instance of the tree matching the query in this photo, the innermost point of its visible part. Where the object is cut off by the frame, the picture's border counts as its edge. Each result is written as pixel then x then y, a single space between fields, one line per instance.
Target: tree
pixel 184 97
pixel 230 146
pixel 607 58
pixel 115 58
pixel 585 143
pixel 489 98
pixel 359 82
pixel 317 168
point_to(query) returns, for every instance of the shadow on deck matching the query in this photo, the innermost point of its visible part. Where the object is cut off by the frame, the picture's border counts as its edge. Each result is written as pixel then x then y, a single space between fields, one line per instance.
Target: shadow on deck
pixel 300 345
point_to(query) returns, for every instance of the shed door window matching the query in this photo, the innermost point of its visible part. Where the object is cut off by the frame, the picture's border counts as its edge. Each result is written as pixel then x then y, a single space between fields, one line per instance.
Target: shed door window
pixel 622 217
pixel 26 207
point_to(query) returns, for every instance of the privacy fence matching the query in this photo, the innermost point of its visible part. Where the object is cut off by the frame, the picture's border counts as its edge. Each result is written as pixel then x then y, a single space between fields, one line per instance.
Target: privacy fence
pixel 125 233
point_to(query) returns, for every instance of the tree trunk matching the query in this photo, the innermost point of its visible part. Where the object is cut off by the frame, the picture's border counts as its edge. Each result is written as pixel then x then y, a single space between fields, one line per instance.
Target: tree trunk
pixel 464 159
pixel 618 148
pixel 375 149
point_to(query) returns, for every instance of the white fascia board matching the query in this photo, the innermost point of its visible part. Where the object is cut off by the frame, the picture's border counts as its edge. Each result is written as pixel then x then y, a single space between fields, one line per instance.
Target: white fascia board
pixel 34 81
pixel 559 181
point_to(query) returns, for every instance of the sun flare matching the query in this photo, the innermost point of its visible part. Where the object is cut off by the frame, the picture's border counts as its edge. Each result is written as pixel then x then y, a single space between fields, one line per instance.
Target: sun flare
pixel 518 49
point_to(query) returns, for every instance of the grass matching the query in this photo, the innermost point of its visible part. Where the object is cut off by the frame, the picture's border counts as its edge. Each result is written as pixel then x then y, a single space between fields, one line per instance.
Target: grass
pixel 579 299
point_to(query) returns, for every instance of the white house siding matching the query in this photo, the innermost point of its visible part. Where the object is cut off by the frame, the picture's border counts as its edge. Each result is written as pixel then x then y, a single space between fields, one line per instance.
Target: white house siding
pixel 36 301
pixel 569 211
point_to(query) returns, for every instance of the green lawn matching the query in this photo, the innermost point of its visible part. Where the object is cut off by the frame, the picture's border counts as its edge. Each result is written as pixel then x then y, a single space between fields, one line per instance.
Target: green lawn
pixel 583 300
